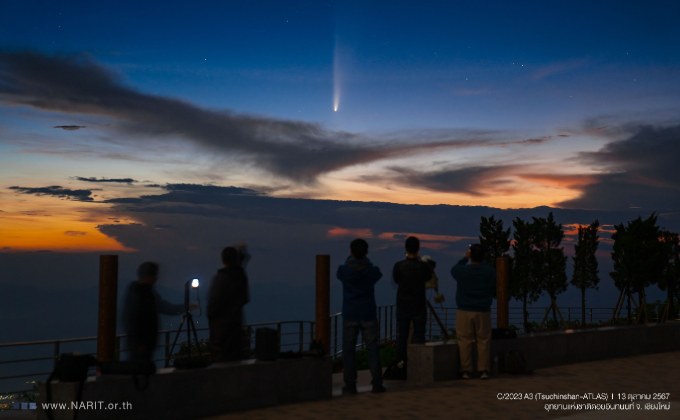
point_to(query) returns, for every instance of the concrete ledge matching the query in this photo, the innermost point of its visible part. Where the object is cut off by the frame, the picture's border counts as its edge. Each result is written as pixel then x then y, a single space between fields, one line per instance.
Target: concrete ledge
pixel 435 361
pixel 440 361
pixel 559 348
pixel 220 388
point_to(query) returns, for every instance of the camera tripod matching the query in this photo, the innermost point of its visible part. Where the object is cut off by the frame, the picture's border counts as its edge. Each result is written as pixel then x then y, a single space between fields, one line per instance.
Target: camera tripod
pixel 188 319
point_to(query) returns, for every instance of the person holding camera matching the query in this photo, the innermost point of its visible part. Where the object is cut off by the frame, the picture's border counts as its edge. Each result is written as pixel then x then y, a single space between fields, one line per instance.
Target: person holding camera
pixel 410 275
pixel 359 276
pixel 227 296
pixel 476 288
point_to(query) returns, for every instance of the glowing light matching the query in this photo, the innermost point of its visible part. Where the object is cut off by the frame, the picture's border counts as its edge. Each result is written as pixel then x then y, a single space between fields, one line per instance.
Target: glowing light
pixel 336 77
pixel 194 283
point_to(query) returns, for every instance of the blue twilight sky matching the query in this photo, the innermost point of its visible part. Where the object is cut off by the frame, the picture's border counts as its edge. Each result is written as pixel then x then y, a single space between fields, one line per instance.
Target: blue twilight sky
pixel 404 64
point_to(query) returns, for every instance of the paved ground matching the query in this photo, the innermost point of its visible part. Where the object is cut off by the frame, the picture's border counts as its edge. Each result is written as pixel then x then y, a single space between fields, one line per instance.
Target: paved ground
pixel 476 399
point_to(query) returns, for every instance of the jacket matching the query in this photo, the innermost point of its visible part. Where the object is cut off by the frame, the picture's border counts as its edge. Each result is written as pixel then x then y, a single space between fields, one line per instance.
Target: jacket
pixel 476 286
pixel 410 275
pixel 228 293
pixel 358 277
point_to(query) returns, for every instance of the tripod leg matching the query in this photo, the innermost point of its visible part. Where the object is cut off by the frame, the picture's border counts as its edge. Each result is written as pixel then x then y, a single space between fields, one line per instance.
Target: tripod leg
pixel 198 344
pixel 179 330
pixel 445 333
pixel 189 324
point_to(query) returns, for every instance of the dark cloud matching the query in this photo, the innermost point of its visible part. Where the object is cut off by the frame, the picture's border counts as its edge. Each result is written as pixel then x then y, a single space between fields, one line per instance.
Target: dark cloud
pixel 209 189
pixel 641 171
pixel 472 180
pixel 70 127
pixel 106 180
pixel 296 150
pixel 56 191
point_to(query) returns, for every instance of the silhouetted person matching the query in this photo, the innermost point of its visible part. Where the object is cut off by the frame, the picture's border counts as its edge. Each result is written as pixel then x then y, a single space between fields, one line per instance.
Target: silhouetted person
pixel 476 287
pixel 410 275
pixel 227 296
pixel 358 276
pixel 140 313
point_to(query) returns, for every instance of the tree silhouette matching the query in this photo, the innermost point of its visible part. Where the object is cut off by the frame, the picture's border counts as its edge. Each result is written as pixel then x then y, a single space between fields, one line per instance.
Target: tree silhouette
pixel 523 285
pixel 639 260
pixel 549 260
pixel 585 274
pixel 669 280
pixel 494 239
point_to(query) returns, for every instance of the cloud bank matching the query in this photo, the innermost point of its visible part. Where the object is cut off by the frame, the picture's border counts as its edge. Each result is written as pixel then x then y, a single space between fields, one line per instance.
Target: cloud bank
pixel 295 150
pixel 641 171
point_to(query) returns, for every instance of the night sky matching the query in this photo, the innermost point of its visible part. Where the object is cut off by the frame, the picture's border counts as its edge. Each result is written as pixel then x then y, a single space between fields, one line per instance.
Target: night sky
pixel 123 125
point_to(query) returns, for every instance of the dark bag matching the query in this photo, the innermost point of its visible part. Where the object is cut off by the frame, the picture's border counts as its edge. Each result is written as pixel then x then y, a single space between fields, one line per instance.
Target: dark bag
pixel 69 367
pixel 266 344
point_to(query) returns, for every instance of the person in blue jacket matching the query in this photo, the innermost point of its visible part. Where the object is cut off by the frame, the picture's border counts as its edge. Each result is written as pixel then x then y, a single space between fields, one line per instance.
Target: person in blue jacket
pixel 358 276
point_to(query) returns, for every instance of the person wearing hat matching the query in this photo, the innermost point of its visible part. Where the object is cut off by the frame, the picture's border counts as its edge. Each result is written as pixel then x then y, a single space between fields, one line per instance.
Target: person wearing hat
pixel 476 288
pixel 140 313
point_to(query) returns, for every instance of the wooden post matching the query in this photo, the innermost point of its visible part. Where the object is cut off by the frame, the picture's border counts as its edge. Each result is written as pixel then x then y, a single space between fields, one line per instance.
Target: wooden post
pixel 108 295
pixel 323 285
pixel 502 292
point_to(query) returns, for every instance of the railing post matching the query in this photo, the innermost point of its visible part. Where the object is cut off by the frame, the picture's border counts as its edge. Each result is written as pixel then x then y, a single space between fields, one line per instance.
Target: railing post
pixel 311 331
pixel 591 315
pixel 391 322
pixel 385 335
pixel 167 349
pixel 335 335
pixel 108 295
pixel 56 351
pixel 278 331
pixel 301 333
pixel 569 313
pixel 323 278
pixel 502 291
pixel 118 347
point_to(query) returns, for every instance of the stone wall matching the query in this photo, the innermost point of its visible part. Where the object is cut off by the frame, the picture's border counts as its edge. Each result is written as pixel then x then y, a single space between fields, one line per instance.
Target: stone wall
pixel 217 389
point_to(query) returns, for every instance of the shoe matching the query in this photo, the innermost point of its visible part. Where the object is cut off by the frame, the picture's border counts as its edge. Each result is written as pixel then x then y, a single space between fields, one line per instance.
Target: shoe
pixel 349 390
pixel 378 389
pixel 484 375
pixel 465 375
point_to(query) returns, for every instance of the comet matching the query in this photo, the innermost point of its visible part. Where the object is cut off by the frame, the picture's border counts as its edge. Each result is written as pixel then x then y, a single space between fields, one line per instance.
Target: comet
pixel 336 77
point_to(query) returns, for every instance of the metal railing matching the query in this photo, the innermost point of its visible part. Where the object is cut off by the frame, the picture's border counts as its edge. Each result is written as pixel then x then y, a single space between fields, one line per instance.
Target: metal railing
pixel 387 316
pixel 38 357
pixel 23 363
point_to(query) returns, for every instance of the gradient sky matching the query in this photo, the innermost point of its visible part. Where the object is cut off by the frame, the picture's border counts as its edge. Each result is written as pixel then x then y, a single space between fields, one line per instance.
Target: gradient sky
pixel 503 104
